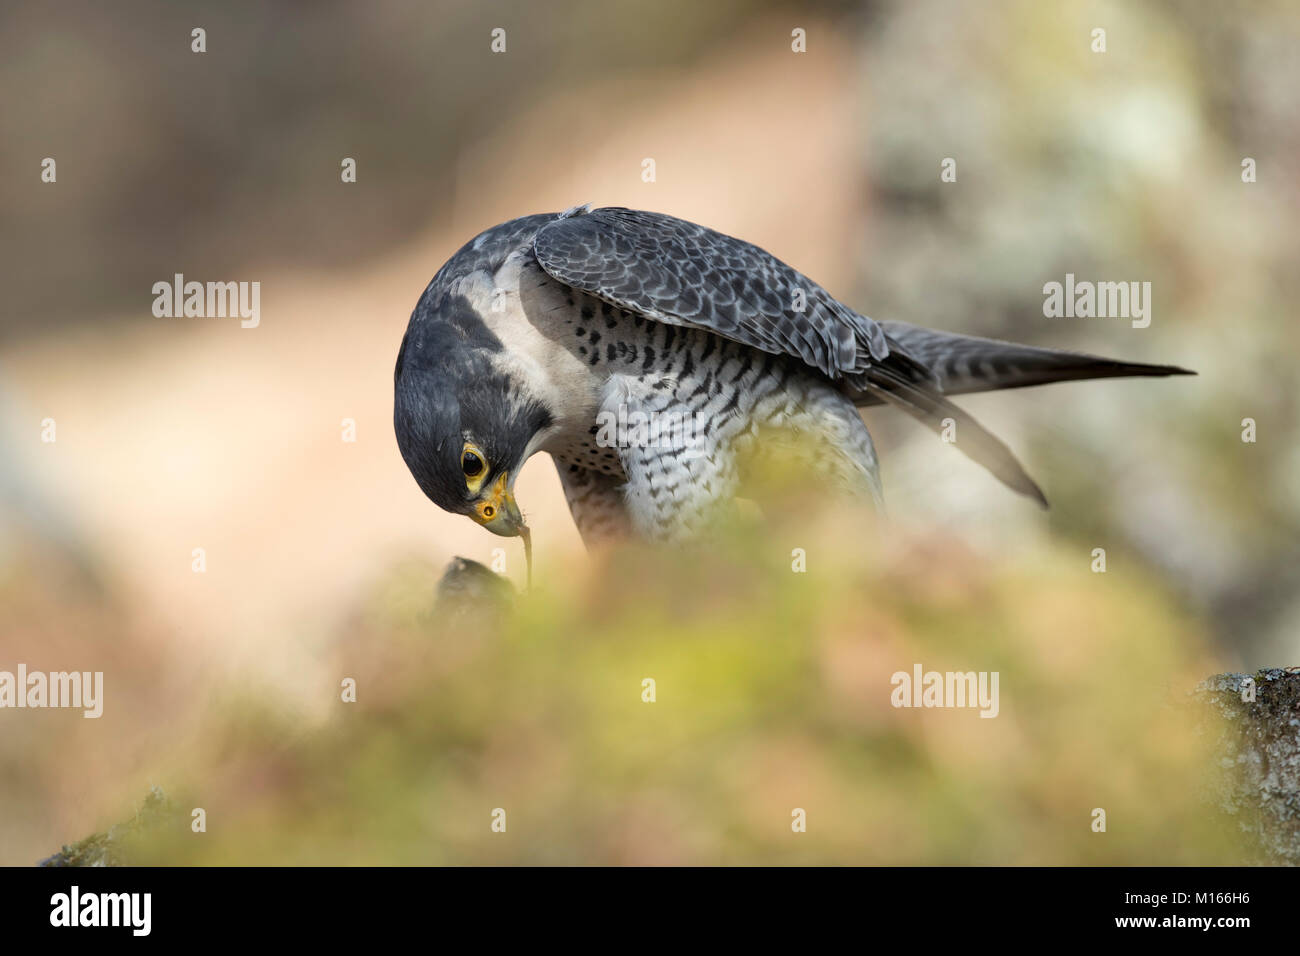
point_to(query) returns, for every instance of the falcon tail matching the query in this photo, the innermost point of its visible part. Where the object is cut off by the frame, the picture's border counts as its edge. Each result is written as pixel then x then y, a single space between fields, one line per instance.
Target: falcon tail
pixel 925 366
pixel 961 364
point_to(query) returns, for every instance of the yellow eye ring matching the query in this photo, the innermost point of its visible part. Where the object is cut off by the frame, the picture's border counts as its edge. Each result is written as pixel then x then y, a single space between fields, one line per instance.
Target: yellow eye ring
pixel 474 464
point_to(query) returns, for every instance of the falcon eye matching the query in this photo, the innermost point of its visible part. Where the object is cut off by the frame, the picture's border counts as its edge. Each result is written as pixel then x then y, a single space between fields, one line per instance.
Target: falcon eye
pixel 474 464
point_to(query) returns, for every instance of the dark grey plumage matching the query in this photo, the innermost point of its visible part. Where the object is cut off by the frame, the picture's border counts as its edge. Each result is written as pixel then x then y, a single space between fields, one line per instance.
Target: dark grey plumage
pixel 962 364
pixel 678 272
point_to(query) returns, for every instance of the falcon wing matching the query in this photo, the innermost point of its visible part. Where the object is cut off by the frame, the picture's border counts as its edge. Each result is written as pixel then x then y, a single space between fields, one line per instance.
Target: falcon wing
pixel 679 273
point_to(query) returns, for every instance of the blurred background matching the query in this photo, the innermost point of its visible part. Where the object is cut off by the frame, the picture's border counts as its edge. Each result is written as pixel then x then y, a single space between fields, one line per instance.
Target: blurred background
pixel 322 555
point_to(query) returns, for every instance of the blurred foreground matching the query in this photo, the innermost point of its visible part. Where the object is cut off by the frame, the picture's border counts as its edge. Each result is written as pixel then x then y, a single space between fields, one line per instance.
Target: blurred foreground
pixel 772 693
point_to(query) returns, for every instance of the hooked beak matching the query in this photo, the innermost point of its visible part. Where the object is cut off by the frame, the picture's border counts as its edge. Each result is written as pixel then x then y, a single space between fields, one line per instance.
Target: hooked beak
pixel 497 511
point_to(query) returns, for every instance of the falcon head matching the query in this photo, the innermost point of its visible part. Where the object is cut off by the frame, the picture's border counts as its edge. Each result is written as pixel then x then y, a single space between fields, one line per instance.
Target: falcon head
pixel 464 426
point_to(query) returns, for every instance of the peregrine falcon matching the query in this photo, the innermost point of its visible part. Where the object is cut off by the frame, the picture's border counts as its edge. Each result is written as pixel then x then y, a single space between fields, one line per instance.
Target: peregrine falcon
pixel 654 358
